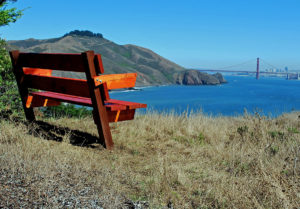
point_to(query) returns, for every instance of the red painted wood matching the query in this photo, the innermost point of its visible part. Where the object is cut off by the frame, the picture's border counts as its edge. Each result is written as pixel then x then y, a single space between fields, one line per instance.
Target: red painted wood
pixel 98 64
pixel 104 92
pixel 38 69
pixel 71 86
pixel 124 115
pixel 64 98
pixel 22 86
pixel 115 107
pixel 64 62
pixel 78 100
pixel 97 97
pixel 37 101
pixel 130 105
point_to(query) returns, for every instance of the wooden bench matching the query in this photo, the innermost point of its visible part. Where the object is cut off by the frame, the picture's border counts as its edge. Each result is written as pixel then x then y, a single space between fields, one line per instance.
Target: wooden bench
pixel 34 71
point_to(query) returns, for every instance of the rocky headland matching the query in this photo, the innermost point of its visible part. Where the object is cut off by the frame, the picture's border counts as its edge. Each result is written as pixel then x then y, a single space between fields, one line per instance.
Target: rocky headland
pixel 195 77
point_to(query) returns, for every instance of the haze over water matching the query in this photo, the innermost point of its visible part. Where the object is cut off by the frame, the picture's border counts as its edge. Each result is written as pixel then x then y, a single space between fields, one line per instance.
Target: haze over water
pixel 267 96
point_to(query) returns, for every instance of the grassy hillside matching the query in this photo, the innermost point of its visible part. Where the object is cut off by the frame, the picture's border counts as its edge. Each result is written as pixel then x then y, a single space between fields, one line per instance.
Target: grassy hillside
pixel 159 160
pixel 152 68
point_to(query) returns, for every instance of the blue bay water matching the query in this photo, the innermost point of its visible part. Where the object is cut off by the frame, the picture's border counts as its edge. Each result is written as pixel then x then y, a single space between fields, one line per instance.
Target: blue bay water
pixel 267 96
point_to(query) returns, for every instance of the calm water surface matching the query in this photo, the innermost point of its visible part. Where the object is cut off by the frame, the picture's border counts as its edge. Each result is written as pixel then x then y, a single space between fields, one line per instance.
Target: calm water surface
pixel 268 96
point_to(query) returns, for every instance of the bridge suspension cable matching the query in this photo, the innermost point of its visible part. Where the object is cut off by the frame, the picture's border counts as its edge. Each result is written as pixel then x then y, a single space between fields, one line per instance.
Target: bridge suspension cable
pixel 267 63
pixel 238 65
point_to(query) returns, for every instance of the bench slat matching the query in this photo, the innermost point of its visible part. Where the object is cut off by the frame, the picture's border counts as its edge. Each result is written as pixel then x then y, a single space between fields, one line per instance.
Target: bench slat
pixel 63 98
pixel 65 62
pixel 130 105
pixel 123 115
pixel 40 79
pixel 70 86
pixel 36 101
pixel 37 71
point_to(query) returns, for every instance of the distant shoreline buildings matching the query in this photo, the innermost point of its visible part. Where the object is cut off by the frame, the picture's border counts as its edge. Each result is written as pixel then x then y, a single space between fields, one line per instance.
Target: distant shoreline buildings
pixel 276 70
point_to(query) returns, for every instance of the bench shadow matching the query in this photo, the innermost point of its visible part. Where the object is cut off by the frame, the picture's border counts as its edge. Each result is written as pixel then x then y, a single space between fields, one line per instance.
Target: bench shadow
pixel 57 133
pixel 52 132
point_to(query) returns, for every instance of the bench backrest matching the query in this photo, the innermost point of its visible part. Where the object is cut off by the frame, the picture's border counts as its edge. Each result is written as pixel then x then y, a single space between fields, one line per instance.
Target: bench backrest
pixel 34 70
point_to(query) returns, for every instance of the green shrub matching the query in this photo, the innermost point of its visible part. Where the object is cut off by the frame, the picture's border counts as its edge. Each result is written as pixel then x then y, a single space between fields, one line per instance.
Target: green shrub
pixel 9 95
pixel 242 130
pixel 293 130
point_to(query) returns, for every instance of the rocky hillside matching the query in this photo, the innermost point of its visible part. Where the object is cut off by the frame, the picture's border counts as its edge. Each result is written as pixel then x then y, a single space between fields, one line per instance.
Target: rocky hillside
pixel 152 68
pixel 194 77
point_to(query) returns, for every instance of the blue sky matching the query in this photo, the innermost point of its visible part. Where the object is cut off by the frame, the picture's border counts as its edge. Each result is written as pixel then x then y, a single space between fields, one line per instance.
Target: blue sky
pixel 192 33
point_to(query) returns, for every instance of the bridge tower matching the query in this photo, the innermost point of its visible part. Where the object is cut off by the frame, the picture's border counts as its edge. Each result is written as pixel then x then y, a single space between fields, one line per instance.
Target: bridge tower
pixel 257 69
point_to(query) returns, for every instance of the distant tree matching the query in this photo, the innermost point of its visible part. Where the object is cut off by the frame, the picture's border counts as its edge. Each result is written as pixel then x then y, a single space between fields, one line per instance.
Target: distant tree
pixel 9 98
pixel 3 1
pixel 83 33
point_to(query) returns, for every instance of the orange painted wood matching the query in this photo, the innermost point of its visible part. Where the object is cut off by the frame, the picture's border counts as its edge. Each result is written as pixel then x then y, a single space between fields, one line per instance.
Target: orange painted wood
pixel 117 81
pixel 29 101
pixel 36 101
pixel 117 116
pixel 71 86
pixel 64 62
pixel 37 71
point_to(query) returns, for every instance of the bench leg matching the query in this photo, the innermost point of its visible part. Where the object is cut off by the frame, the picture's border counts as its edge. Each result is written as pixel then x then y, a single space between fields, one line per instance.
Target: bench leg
pixel 103 128
pixel 29 114
pixel 97 95
pixel 23 89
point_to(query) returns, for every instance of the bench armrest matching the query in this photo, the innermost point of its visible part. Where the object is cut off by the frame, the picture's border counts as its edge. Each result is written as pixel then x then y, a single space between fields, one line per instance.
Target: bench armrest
pixel 116 81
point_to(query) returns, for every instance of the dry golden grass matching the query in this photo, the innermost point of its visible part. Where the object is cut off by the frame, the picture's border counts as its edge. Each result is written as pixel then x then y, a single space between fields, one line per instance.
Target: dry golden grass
pixel 184 162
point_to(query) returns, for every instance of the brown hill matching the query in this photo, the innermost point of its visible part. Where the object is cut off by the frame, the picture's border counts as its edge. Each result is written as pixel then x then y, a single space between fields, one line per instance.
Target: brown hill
pixel 152 68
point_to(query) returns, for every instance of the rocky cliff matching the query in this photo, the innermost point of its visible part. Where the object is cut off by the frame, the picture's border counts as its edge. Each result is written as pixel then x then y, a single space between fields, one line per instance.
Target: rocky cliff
pixel 195 77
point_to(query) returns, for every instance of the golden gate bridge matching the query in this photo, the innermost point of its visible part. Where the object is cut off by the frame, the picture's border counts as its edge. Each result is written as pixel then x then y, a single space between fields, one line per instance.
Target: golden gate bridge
pixel 294 75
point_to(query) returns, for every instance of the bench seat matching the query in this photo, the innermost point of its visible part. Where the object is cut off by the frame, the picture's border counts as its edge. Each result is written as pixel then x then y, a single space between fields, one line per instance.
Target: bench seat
pixel 117 110
pixel 111 104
